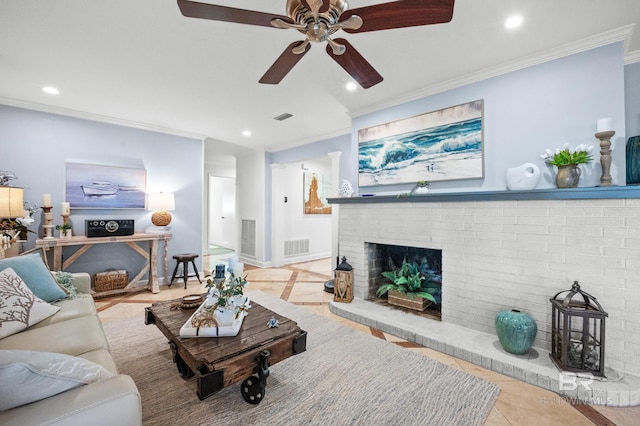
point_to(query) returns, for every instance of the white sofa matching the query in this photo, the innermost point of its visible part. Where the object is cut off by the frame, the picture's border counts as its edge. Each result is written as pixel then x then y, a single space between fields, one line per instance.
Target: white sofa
pixel 74 330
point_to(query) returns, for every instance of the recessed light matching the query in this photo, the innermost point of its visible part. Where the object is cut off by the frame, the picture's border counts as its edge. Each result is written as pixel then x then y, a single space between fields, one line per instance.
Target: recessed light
pixel 50 90
pixel 246 133
pixel 513 21
pixel 351 86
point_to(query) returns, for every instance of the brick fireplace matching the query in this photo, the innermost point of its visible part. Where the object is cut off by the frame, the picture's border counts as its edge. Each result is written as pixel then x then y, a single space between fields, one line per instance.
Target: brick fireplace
pixel 503 250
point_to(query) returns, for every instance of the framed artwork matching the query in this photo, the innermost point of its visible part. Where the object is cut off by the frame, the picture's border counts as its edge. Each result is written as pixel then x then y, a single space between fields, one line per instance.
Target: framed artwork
pixel 91 186
pixel 440 145
pixel 317 188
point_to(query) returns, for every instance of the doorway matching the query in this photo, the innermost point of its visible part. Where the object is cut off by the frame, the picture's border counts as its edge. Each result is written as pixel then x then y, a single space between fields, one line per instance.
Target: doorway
pixel 222 215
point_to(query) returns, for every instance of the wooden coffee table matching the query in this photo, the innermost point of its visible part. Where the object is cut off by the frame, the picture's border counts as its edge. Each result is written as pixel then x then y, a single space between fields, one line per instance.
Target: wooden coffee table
pixel 218 362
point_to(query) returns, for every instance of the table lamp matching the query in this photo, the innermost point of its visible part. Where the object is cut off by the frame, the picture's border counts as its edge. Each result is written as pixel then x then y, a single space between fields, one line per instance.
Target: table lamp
pixel 11 202
pixel 160 203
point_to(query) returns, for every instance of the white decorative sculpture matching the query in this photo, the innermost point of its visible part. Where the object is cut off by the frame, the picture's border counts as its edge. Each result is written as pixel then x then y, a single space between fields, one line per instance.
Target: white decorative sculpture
pixel 522 178
pixel 345 190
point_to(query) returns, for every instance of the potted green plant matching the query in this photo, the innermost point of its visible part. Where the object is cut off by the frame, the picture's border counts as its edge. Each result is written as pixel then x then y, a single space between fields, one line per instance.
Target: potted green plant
pixel 408 287
pixel 421 187
pixel 567 161
pixel 65 230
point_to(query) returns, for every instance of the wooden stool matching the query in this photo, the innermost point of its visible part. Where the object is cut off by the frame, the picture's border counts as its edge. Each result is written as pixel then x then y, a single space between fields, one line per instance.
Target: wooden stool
pixel 184 259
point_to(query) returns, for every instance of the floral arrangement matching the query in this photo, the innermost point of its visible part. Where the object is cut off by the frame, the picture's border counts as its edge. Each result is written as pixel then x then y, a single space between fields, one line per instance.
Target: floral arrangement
pixel 17 229
pixel 561 157
pixel 226 291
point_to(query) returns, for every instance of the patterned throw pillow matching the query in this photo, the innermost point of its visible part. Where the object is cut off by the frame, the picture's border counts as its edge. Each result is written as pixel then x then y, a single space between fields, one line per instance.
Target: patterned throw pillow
pixel 19 307
pixel 39 375
pixel 65 281
pixel 35 275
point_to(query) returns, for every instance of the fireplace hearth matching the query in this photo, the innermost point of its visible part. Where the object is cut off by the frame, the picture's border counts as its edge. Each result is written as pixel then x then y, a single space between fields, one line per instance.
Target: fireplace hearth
pixel 507 250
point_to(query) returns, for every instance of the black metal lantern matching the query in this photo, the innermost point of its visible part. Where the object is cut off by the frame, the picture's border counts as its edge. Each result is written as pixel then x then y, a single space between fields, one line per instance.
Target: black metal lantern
pixel 577 332
pixel 343 282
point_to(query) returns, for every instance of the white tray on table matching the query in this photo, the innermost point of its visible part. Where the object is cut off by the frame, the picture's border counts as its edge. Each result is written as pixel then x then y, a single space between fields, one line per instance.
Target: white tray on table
pixel 187 330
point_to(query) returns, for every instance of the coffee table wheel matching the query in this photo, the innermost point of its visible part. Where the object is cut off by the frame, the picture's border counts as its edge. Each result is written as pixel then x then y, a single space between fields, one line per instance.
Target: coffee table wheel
pixel 252 390
pixel 183 368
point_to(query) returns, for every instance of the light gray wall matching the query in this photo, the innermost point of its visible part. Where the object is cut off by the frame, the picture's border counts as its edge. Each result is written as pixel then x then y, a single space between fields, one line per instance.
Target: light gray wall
pixel 36 145
pixel 632 99
pixel 527 111
pixel 320 149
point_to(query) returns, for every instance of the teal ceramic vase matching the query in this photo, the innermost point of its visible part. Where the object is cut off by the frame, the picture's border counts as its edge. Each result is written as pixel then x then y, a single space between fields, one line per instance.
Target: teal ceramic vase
pixel 633 160
pixel 516 331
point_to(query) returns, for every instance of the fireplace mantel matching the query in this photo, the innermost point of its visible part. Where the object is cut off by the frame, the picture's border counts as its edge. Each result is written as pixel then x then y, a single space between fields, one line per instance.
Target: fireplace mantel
pixel 591 193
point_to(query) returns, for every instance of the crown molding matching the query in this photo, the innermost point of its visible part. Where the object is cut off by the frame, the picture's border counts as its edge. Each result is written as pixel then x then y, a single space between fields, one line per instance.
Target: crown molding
pixel 632 57
pixel 593 42
pixel 99 118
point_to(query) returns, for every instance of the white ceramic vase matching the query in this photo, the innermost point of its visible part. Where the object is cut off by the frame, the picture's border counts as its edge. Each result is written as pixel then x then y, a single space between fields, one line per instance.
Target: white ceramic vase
pixel 522 178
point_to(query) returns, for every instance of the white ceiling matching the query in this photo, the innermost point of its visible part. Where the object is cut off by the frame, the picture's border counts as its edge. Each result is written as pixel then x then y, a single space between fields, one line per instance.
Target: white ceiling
pixel 141 63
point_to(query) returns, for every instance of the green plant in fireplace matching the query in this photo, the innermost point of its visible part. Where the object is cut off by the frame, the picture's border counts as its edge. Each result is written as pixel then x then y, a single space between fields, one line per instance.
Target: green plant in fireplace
pixel 408 280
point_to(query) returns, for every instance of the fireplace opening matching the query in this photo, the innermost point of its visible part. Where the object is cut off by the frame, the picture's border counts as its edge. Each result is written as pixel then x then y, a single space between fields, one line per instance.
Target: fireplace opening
pixel 425 261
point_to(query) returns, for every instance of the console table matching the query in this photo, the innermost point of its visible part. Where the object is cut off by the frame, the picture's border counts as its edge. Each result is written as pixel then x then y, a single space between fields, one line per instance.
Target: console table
pixel 151 257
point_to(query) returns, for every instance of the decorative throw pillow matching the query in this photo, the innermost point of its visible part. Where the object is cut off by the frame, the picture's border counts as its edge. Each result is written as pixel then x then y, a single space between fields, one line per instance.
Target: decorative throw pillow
pixel 19 307
pixel 35 275
pixel 39 375
pixel 65 281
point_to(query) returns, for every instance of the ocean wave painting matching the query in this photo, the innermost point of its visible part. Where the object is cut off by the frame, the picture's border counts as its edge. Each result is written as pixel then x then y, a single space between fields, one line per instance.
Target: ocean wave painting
pixel 437 146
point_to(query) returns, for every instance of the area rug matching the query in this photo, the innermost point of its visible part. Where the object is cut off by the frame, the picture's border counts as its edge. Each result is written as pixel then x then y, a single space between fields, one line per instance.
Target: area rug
pixel 345 377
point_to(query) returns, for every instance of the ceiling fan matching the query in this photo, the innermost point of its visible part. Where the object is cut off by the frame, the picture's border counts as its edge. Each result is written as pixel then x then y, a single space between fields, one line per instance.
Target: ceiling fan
pixel 318 20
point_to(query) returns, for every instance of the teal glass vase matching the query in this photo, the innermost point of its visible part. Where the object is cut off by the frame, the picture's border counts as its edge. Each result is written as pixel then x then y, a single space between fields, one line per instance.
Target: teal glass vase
pixel 633 160
pixel 516 331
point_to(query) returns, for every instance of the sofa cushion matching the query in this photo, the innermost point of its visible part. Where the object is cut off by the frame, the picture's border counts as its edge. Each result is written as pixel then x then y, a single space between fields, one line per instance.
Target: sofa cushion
pixel 40 375
pixel 102 357
pixel 19 307
pixel 80 306
pixel 72 337
pixel 35 275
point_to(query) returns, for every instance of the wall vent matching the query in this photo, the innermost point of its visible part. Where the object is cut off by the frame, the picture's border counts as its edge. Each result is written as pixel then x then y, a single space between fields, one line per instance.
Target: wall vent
pixel 248 238
pixel 283 117
pixel 296 247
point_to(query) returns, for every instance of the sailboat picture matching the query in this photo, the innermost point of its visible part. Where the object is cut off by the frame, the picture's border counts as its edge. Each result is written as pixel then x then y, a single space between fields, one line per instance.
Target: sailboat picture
pixel 97 186
pixel 441 145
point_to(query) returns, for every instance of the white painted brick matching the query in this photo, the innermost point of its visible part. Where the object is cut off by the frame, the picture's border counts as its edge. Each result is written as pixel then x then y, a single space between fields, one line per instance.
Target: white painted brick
pixel 498 255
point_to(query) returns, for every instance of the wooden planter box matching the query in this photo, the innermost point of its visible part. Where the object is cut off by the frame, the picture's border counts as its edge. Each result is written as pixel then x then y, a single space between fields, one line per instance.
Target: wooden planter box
pixel 400 299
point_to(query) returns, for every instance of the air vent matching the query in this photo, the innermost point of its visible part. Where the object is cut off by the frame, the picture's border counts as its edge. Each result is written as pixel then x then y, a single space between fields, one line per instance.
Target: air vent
pixel 296 247
pixel 248 238
pixel 283 117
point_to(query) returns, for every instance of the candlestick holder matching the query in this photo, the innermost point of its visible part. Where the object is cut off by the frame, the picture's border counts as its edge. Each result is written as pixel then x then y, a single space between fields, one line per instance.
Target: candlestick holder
pixel 48 222
pixel 605 156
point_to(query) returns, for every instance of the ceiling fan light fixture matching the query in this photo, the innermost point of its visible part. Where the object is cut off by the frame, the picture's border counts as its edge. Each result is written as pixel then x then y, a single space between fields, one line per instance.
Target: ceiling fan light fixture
pixel 351 86
pixel 246 133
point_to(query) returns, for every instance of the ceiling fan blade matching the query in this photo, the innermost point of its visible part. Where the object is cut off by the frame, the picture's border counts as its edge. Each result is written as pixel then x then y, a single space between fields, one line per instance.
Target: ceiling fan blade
pixel 285 62
pixel 357 66
pixel 401 14
pixel 214 12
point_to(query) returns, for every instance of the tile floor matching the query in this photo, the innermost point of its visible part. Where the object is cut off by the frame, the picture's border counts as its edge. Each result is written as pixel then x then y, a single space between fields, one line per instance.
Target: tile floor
pixel 519 403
